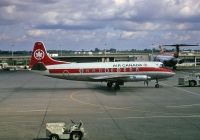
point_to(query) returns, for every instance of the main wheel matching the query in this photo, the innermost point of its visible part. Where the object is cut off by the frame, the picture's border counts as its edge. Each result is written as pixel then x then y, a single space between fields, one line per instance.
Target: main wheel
pixel 54 137
pixel 192 83
pixel 109 84
pixel 157 85
pixel 75 136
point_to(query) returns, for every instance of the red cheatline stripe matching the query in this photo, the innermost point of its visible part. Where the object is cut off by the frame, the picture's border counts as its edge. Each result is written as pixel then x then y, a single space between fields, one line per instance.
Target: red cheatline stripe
pixel 100 70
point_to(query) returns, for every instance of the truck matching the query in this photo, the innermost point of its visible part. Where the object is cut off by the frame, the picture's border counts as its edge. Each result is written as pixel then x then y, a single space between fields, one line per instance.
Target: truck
pixel 60 130
pixel 5 66
pixel 192 80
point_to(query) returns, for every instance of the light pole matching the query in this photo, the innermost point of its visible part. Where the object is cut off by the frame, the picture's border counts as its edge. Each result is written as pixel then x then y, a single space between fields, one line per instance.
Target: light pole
pixel 12 47
pixel 60 47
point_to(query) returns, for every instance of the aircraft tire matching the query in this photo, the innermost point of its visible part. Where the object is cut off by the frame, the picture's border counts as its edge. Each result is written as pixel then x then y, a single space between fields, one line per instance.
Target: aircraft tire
pixel 54 137
pixel 192 83
pixel 109 84
pixel 157 85
pixel 75 136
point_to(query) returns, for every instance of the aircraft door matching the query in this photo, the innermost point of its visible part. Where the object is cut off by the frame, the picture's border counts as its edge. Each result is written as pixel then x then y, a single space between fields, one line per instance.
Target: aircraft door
pixel 66 74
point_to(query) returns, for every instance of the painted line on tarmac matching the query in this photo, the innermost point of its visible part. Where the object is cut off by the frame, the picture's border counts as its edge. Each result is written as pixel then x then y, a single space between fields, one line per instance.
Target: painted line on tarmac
pixel 73 98
pixel 82 102
pixel 154 117
pixel 25 111
pixel 100 106
pixel 183 106
pixel 186 91
pixel 6 122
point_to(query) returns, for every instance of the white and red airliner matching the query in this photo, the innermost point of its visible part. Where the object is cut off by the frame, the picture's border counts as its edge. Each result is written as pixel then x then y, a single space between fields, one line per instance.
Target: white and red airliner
pixel 114 73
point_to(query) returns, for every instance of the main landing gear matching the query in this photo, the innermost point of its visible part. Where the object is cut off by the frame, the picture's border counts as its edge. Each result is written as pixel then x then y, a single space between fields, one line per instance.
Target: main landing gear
pixel 109 84
pixel 116 87
pixel 116 84
pixel 157 85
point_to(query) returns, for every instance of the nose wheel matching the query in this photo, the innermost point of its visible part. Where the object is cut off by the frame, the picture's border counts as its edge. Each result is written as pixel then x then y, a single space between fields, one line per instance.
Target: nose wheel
pixel 157 85
pixel 146 83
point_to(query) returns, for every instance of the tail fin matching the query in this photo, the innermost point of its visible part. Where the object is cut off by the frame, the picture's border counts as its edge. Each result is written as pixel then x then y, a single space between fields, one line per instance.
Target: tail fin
pixel 39 55
pixel 176 53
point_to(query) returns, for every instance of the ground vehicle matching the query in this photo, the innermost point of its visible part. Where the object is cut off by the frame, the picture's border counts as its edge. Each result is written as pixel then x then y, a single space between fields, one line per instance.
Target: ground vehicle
pixel 191 80
pixel 5 66
pixel 60 130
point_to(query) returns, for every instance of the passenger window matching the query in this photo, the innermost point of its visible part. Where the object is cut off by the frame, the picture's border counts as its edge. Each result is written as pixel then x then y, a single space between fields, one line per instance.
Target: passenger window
pixel 81 70
pixel 87 70
pixel 111 70
pixel 118 69
pixel 106 69
pixel 93 70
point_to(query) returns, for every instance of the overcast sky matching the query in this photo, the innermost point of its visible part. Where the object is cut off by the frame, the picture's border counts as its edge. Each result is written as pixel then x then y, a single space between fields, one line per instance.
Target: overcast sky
pixel 87 24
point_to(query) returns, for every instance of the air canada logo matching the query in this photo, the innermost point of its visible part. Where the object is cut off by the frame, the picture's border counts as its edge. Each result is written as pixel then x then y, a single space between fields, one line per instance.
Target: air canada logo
pixel 39 54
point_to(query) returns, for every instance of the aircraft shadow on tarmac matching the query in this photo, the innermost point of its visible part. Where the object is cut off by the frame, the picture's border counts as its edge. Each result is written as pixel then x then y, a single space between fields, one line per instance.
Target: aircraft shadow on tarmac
pixel 99 88
pixel 125 89
pixel 186 86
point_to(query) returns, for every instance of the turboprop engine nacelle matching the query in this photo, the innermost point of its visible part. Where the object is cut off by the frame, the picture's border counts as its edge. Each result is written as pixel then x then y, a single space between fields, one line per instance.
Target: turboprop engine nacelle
pixel 139 77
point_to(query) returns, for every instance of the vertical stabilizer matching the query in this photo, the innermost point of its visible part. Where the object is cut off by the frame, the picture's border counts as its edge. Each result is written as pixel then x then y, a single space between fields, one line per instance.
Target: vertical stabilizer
pixel 161 50
pixel 39 55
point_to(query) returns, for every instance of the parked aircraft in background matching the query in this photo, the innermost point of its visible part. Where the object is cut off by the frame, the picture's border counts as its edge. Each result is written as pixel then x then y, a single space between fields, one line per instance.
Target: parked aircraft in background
pixel 170 60
pixel 114 73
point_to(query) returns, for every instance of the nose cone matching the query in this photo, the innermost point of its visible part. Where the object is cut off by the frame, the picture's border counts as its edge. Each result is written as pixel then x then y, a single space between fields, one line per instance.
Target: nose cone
pixel 165 73
pixel 169 73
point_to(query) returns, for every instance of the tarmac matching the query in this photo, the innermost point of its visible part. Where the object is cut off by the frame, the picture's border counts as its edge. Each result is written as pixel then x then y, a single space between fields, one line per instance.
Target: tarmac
pixel 28 101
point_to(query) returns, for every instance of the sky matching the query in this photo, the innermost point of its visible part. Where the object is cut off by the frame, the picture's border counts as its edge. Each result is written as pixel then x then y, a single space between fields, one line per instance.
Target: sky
pixel 104 24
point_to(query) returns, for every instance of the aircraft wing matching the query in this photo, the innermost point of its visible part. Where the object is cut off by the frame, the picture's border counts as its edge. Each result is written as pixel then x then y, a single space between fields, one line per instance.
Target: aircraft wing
pixel 121 77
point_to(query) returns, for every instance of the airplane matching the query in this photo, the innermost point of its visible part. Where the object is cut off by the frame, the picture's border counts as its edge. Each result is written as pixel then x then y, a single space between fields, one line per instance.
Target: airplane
pixel 170 60
pixel 114 73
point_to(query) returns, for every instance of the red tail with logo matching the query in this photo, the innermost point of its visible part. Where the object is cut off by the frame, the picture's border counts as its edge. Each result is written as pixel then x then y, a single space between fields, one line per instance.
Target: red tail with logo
pixel 39 54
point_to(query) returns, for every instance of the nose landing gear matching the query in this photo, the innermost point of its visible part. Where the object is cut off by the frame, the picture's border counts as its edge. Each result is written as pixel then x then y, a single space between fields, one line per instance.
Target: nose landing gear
pixel 157 85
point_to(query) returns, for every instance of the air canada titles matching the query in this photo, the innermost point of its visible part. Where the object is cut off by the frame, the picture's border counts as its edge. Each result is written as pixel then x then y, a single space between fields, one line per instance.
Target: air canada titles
pixel 126 65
